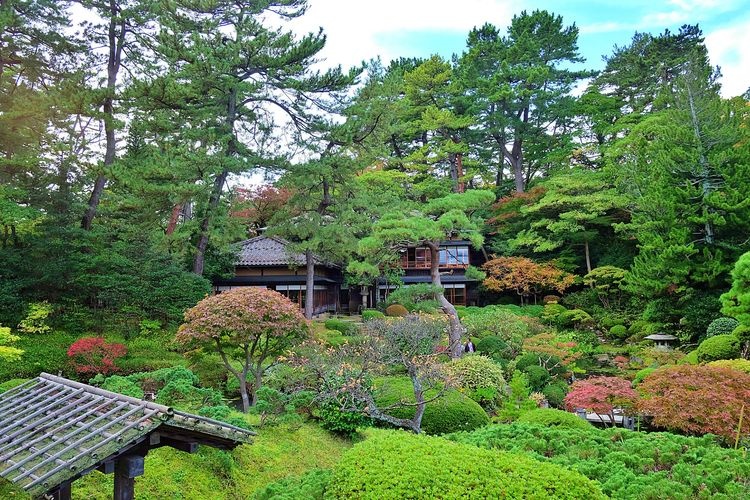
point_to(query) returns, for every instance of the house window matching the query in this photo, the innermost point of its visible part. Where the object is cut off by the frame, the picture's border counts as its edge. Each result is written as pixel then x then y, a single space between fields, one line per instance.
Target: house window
pixel 454 256
pixel 455 293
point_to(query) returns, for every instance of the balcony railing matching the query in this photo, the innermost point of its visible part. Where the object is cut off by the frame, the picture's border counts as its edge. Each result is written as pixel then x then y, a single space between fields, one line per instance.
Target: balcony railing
pixel 426 264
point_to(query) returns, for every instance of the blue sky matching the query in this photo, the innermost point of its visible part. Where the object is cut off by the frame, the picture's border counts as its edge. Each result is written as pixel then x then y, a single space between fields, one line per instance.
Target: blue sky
pixel 361 30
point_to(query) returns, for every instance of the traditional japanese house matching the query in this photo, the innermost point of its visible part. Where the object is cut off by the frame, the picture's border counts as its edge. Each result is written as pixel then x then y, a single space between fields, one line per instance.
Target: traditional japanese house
pixel 269 262
pixel 455 257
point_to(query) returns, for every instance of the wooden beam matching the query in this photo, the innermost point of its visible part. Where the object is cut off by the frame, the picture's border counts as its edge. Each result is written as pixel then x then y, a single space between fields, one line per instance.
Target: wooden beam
pixel 127 469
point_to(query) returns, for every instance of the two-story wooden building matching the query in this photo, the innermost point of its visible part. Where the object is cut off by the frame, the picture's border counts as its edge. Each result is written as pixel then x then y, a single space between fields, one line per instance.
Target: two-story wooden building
pixel 455 256
pixel 269 262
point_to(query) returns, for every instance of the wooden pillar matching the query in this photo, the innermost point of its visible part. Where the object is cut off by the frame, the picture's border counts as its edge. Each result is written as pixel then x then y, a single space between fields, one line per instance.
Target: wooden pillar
pixel 63 493
pixel 127 469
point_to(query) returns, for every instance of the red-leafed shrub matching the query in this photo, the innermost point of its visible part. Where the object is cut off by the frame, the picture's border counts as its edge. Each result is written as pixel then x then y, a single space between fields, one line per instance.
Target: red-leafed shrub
pixel 601 395
pixel 697 399
pixel 91 355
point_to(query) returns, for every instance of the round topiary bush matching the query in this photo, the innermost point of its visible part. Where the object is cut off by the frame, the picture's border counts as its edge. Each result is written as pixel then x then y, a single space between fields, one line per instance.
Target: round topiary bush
pixel 721 326
pixel 555 393
pixel 396 464
pixel 396 310
pixel 551 299
pixel 492 346
pixel 550 417
pixel 371 314
pixel 451 412
pixel 719 347
pixel 618 332
pixel 641 375
pixel 478 377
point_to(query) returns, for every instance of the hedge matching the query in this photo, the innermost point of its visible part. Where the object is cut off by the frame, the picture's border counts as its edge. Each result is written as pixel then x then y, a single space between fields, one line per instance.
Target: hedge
pixel 549 417
pixel 345 327
pixel 628 464
pixel 451 412
pixel 396 464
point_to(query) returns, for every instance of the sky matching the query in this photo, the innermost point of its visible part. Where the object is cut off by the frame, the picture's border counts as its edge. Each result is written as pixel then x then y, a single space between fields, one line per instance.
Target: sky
pixel 360 30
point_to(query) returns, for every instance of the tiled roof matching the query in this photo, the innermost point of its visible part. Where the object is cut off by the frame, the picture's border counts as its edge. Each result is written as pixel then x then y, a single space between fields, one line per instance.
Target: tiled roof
pixel 269 251
pixel 53 430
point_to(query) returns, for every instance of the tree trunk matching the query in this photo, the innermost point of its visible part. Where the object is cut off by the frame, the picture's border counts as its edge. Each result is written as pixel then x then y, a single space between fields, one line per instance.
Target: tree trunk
pixel 116 43
pixel 419 400
pixel 309 284
pixel 588 256
pixel 705 172
pixel 213 202
pixel 243 394
pixel 455 330
pixel 173 219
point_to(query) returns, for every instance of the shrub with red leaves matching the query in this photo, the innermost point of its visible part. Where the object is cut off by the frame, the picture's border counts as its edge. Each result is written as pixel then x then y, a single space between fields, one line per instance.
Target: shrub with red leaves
pixel 698 399
pixel 92 355
pixel 601 395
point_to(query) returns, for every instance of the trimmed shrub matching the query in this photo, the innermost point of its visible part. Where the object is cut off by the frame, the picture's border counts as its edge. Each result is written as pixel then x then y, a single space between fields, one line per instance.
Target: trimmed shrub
pixel 122 385
pixel 419 297
pixel 480 378
pixel 538 377
pixel 618 332
pixel 555 393
pixel 311 486
pixel 396 310
pixel 549 417
pixel 370 314
pixel 337 421
pixel 721 326
pixel 399 465
pixel 718 347
pixel 550 299
pixel 690 358
pixel 628 465
pixel 345 327
pixel 577 318
pixel 183 395
pixel 224 413
pixel 492 346
pixel 451 412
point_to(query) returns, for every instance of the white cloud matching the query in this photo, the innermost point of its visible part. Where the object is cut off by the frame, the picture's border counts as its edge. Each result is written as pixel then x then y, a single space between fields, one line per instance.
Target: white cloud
pixel 354 26
pixel 727 47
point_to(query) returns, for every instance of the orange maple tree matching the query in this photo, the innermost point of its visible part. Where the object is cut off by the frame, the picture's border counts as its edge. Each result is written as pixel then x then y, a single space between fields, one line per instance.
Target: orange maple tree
pixel 525 277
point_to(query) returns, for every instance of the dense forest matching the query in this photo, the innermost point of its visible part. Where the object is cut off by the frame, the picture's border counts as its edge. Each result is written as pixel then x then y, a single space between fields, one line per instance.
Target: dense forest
pixel 126 140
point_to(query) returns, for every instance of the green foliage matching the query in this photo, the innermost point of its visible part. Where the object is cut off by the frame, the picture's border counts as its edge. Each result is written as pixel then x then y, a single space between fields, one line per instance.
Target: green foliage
pixel 396 310
pixel 721 326
pixel 183 395
pixel 555 393
pixel 122 385
pixel 517 400
pixel 10 384
pixel 498 321
pixel 607 281
pixel 492 346
pixel 369 314
pixel 480 378
pixel 48 356
pixel 399 465
pixel 736 302
pixel 577 318
pixel 341 422
pixel 641 375
pixel 36 318
pixel 618 332
pixel 719 347
pixel 345 327
pixel 548 417
pixel 419 297
pixel 8 353
pixel 538 377
pixel 311 485
pixel 627 465
pixel 450 412
pixel 224 413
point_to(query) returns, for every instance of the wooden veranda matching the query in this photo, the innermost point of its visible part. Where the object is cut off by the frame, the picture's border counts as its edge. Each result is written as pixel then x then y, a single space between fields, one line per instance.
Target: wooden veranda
pixel 54 430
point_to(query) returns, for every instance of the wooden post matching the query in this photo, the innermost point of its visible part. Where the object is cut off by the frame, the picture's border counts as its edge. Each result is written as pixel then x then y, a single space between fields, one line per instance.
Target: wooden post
pixel 127 469
pixel 63 493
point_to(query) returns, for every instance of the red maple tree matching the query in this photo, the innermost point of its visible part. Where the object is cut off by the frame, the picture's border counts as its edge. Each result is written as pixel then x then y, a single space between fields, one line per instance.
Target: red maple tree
pixel 92 355
pixel 698 399
pixel 601 395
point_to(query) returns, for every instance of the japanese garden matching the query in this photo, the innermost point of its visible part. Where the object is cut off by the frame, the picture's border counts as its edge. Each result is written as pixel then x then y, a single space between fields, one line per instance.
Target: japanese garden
pixel 229 270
